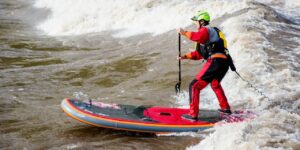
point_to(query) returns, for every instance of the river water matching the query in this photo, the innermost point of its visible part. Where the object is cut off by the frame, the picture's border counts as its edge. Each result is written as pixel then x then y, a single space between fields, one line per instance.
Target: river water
pixel 125 52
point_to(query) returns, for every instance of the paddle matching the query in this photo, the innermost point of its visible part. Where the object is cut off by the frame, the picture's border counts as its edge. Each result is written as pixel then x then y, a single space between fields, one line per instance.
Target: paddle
pixel 177 86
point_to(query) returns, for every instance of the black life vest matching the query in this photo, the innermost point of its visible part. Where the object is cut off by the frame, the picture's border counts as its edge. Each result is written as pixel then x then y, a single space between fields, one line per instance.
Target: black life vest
pixel 218 46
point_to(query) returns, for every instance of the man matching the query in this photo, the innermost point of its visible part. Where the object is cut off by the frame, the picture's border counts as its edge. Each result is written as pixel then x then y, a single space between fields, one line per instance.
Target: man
pixel 212 47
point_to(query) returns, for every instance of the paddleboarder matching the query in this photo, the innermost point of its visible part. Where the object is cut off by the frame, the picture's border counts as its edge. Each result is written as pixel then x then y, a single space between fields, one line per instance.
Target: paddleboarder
pixel 211 46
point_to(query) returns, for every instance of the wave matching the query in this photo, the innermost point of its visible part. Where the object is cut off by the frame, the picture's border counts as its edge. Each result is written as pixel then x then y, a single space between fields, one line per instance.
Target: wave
pixel 263 39
pixel 75 17
pixel 265 43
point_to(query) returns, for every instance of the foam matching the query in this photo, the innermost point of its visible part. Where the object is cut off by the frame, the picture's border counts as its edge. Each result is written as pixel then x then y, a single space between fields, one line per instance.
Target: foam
pixel 276 124
pixel 127 18
pixel 250 44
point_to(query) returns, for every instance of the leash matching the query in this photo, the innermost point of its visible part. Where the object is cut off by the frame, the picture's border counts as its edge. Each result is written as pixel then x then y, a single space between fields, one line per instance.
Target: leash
pixel 252 86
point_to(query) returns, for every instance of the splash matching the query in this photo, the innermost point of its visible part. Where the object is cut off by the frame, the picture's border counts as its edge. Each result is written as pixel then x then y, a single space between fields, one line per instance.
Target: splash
pixel 126 18
pixel 80 95
pixel 263 38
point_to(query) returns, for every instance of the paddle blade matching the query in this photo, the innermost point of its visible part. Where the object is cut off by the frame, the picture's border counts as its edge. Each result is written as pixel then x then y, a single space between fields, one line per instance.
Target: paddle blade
pixel 177 87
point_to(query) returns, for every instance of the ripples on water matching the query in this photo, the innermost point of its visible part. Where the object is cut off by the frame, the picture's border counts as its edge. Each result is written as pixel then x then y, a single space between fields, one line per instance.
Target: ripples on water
pixel 38 71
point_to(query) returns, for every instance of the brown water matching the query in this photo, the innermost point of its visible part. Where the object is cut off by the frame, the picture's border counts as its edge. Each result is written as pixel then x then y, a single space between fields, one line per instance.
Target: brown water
pixel 37 72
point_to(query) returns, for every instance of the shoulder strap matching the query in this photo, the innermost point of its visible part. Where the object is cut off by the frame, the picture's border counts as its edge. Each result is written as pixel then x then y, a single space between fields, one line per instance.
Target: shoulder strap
pixel 217 29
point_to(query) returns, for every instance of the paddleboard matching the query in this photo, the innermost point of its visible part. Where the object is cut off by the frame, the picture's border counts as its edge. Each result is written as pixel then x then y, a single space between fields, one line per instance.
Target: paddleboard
pixel 148 119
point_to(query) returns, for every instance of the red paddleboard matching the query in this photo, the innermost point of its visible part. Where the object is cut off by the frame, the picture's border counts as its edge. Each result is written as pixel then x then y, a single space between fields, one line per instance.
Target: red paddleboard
pixel 151 119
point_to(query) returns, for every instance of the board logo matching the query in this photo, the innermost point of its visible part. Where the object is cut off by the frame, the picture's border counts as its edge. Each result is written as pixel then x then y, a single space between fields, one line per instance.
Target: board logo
pixel 104 105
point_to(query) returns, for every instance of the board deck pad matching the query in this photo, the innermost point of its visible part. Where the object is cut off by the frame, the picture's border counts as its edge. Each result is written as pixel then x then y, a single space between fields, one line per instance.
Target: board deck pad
pixel 144 118
pixel 173 115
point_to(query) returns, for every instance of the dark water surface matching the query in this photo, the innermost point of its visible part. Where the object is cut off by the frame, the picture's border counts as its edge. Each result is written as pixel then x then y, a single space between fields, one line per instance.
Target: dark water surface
pixel 38 71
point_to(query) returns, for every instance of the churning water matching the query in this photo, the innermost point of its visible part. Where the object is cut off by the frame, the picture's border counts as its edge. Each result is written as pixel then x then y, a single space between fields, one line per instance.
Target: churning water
pixel 125 52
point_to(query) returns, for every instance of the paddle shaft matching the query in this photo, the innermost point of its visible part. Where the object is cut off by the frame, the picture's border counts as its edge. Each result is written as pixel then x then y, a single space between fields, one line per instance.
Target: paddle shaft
pixel 177 86
pixel 179 55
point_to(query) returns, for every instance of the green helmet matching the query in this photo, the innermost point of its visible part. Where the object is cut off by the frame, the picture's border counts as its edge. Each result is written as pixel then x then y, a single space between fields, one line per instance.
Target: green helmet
pixel 201 15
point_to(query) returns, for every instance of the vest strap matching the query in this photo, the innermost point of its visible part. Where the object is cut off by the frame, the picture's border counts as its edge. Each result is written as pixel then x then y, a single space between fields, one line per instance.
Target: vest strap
pixel 219 55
